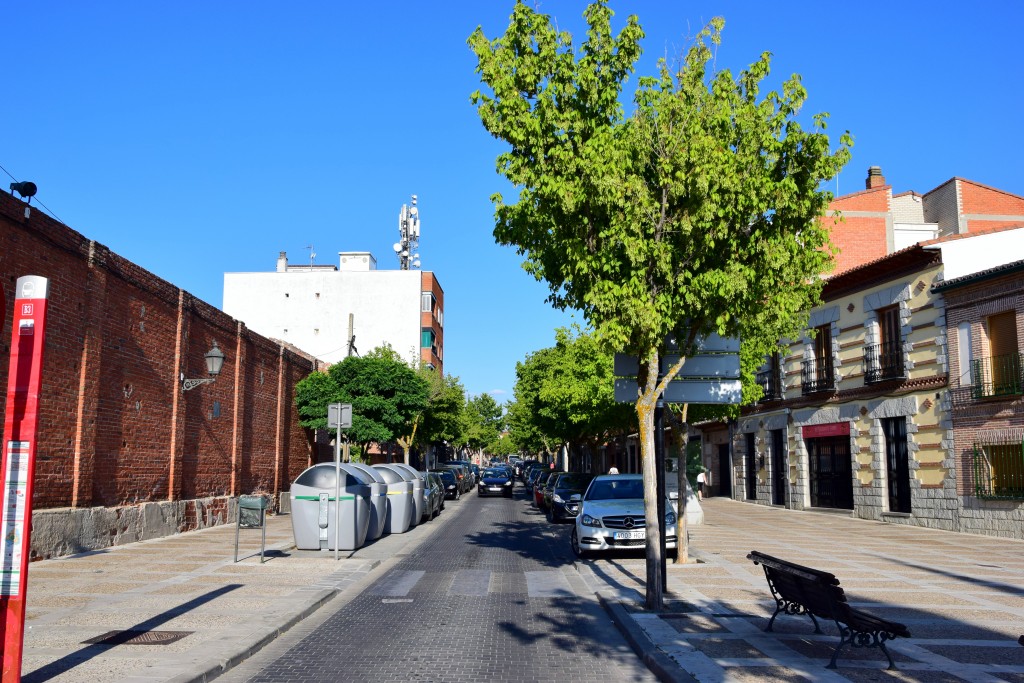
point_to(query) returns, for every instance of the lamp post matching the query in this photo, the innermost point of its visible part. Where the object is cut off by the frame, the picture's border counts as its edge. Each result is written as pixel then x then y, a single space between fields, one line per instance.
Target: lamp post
pixel 214 362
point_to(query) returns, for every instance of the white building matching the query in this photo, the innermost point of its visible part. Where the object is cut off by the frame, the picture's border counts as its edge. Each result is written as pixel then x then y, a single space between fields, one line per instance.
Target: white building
pixel 335 311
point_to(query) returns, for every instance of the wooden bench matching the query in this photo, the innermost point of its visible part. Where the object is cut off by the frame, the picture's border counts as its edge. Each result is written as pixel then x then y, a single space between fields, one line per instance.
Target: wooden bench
pixel 802 590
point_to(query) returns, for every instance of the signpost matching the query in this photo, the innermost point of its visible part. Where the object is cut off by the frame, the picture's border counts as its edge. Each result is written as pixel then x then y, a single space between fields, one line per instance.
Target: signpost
pixel 339 416
pixel 710 375
pixel 17 468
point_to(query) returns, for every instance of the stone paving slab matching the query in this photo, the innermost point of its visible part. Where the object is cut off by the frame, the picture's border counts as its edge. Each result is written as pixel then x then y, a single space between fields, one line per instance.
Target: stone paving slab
pixel 959 594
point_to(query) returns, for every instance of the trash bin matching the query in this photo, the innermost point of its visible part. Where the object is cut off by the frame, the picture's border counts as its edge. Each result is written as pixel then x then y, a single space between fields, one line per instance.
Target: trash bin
pixel 378 501
pixel 421 488
pixel 400 504
pixel 314 512
pixel 409 474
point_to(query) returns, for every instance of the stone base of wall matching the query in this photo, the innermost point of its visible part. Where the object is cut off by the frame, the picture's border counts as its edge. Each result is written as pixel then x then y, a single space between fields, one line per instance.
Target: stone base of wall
pixel 66 531
pixel 1002 518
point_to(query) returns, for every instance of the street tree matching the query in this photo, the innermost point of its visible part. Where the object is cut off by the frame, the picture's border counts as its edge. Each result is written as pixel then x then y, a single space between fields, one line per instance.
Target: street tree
pixel 484 423
pixel 385 393
pixel 694 213
pixel 442 420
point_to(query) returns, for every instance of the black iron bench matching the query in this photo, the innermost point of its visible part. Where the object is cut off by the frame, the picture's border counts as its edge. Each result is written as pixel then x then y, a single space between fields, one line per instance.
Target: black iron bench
pixel 802 590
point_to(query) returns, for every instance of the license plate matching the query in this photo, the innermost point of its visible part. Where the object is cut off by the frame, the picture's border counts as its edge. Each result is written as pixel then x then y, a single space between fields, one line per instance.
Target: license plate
pixel 494 488
pixel 630 535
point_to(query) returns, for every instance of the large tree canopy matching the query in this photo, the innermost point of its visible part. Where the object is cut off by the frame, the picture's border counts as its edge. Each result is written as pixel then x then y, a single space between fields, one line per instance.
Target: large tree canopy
pixel 698 211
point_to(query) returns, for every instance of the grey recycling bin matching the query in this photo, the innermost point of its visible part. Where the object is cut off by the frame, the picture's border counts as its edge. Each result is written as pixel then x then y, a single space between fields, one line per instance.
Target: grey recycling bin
pixel 378 501
pixel 420 488
pixel 314 513
pixel 409 474
pixel 400 503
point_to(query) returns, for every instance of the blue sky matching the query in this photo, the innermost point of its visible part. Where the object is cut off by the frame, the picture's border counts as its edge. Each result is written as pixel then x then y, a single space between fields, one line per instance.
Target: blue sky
pixel 198 138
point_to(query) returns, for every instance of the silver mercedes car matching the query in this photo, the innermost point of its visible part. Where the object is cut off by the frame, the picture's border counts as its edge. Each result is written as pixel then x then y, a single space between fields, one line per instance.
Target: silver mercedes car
pixel 612 516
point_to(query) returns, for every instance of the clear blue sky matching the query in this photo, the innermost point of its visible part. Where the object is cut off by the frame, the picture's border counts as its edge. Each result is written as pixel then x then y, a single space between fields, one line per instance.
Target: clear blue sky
pixel 198 138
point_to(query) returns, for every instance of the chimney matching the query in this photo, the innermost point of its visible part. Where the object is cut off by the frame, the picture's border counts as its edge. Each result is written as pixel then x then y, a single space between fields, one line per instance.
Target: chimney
pixel 875 178
pixel 282 262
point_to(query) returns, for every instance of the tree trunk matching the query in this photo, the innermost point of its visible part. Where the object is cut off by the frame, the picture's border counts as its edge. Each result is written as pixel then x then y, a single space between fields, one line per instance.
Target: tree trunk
pixel 655 597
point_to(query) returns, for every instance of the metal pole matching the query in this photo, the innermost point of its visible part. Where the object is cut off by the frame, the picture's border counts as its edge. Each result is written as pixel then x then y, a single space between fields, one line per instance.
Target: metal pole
pixel 337 492
pixel 659 469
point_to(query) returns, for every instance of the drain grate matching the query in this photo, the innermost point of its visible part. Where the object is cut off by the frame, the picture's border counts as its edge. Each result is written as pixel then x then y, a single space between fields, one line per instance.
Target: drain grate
pixel 131 637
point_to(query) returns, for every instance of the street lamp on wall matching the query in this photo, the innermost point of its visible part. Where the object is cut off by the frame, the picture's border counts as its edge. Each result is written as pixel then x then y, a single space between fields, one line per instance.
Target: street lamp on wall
pixel 214 362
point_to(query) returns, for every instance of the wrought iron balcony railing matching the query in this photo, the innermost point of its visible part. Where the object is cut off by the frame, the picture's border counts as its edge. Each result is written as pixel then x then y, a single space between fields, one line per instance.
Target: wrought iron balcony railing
pixel 771 384
pixel 817 376
pixel 883 362
pixel 997 376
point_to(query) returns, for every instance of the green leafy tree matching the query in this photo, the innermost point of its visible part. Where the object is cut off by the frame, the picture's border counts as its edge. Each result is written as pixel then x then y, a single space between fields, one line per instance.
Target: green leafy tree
pixel 442 419
pixel 385 393
pixel 484 422
pixel 698 212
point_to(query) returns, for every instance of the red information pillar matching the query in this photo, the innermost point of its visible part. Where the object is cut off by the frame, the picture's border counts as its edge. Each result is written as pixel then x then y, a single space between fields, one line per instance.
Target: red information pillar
pixel 17 466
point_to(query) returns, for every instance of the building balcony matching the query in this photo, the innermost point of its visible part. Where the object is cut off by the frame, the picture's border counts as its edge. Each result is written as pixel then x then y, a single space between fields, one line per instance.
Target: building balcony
pixel 817 376
pixel 997 376
pixel 884 362
pixel 771 384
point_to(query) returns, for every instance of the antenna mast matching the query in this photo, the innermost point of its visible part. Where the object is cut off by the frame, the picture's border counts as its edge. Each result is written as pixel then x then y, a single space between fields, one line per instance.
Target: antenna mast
pixel 406 249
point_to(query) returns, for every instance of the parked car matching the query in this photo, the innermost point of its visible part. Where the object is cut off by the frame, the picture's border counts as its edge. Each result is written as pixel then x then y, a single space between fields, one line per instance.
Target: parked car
pixel 462 474
pixel 495 481
pixel 612 516
pixel 433 495
pixel 471 471
pixel 560 504
pixel 540 483
pixel 451 483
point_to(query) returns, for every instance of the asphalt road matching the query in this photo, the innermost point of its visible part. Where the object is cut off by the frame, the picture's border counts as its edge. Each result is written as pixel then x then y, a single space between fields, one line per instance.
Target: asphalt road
pixel 492 595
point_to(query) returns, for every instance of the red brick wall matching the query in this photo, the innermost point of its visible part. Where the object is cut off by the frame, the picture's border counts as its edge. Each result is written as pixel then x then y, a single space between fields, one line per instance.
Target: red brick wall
pixel 862 234
pixel 979 199
pixel 116 428
pixel 429 283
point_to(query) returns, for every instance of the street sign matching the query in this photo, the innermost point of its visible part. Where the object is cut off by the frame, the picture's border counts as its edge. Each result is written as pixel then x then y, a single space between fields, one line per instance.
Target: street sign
pixel 339 415
pixel 720 366
pixel 686 391
pixel 17 467
pixel 707 343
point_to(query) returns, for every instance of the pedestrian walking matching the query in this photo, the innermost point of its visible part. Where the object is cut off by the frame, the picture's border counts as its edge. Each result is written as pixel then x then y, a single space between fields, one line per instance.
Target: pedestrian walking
pixel 701 481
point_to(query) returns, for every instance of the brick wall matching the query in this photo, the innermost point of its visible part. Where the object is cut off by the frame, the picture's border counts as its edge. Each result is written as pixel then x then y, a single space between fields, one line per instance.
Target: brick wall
pixel 116 428
pixel 863 234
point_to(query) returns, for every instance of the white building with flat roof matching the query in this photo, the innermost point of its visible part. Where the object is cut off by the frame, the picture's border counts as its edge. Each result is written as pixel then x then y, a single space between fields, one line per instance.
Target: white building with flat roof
pixel 335 311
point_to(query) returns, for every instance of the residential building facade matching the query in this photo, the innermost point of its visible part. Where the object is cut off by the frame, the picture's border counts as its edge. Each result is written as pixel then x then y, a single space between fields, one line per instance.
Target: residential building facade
pixel 336 311
pixel 876 410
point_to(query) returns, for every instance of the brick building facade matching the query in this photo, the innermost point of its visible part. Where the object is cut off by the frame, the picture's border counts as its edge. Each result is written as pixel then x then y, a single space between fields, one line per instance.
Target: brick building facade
pixel 124 453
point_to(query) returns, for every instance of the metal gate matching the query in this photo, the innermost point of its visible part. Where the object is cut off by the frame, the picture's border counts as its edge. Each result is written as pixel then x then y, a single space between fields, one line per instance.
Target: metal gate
pixel 831 472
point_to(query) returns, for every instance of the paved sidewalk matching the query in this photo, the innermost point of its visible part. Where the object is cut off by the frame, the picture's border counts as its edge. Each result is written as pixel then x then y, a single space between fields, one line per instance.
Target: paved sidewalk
pixel 961 595
pixel 187 585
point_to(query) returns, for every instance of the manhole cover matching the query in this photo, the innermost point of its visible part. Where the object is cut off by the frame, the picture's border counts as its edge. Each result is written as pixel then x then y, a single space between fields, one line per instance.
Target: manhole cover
pixel 131 637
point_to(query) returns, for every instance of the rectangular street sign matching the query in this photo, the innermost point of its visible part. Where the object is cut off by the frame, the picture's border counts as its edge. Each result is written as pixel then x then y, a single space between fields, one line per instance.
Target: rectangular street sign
pixel 722 366
pixel 688 391
pixel 707 343
pixel 339 415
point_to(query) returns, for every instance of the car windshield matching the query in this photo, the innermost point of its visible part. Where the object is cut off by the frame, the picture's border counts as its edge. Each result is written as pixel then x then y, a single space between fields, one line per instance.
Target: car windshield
pixel 616 489
pixel 496 473
pixel 447 477
pixel 572 482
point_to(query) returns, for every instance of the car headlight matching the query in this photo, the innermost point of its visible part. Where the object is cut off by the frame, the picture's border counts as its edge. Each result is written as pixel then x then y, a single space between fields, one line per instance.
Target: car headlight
pixel 591 521
pixel 557 498
pixel 670 518
pixel 508 483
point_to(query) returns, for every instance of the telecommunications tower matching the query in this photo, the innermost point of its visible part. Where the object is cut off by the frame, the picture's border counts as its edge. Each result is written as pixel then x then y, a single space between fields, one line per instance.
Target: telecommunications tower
pixel 409 236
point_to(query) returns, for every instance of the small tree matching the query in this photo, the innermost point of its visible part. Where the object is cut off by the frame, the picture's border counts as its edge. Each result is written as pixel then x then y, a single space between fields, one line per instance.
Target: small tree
pixel 700 212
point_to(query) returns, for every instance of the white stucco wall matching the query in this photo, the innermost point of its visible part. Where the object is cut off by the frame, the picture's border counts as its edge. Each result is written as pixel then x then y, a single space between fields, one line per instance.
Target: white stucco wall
pixel 981 252
pixel 310 309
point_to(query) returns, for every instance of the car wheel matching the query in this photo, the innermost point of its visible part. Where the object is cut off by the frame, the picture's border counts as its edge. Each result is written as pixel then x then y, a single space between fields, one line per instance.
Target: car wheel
pixel 577 549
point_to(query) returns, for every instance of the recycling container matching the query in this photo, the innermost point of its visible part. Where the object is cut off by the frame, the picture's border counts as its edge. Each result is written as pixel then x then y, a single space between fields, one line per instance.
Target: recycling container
pixel 421 489
pixel 378 501
pixel 410 474
pixel 400 504
pixel 314 510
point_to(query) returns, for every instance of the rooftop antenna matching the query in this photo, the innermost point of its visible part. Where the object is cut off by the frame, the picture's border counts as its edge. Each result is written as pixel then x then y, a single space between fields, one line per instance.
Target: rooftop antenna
pixel 312 254
pixel 406 249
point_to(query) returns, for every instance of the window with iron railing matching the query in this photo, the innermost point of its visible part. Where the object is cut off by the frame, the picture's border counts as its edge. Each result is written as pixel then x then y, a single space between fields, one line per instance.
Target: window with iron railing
pixel 997 376
pixel 770 380
pixel 816 375
pixel 883 361
pixel 999 469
